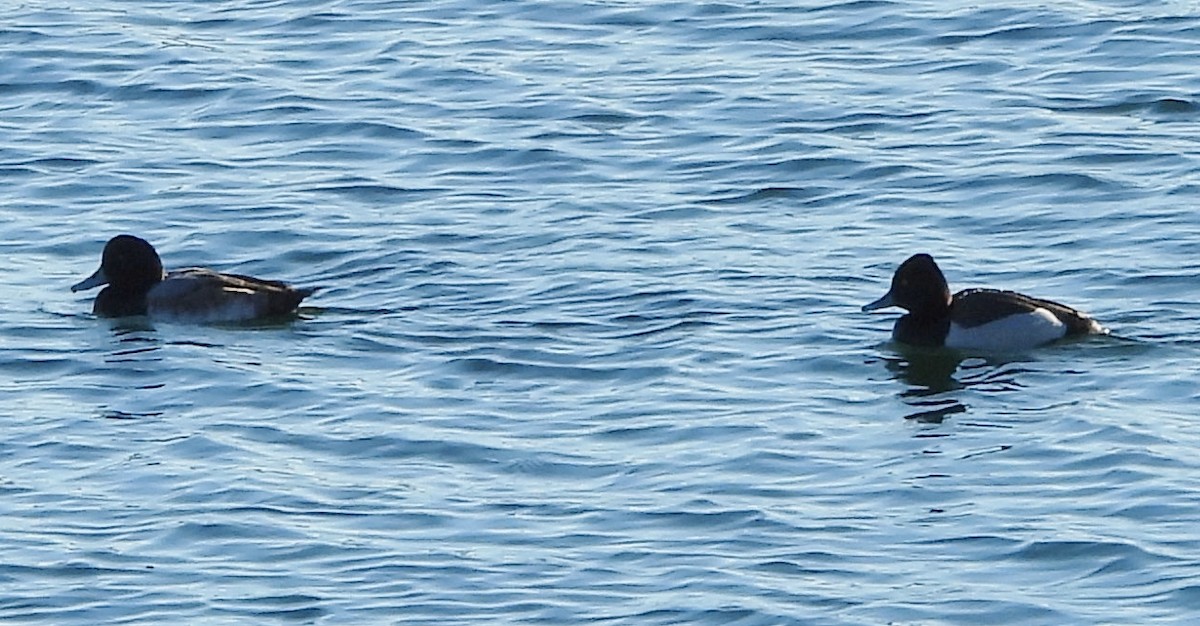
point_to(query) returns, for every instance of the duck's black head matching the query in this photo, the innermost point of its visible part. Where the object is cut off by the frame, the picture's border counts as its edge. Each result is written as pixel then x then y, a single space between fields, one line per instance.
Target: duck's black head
pixel 129 264
pixel 918 286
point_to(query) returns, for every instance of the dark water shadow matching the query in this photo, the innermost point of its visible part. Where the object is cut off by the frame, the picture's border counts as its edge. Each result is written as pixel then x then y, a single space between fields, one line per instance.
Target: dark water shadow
pixel 934 379
pixel 930 379
pixel 136 340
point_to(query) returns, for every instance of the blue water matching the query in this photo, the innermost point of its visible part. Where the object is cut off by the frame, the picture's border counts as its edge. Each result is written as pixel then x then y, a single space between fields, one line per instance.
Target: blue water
pixel 588 346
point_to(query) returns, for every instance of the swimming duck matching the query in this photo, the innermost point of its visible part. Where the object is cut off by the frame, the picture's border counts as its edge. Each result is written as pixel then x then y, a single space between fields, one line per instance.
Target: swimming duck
pixel 137 285
pixel 974 319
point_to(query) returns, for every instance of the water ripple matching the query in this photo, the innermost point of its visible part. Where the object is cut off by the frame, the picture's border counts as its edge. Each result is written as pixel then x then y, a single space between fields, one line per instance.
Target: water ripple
pixel 588 345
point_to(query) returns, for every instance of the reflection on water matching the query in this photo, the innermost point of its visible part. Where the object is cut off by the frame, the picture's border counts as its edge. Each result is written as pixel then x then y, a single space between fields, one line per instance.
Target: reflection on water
pixel 927 372
pixel 587 352
pixel 136 341
pixel 934 376
pixel 939 411
pixel 114 414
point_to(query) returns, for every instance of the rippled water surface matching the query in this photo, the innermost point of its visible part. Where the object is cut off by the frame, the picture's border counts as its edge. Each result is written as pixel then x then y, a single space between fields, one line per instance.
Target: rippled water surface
pixel 588 346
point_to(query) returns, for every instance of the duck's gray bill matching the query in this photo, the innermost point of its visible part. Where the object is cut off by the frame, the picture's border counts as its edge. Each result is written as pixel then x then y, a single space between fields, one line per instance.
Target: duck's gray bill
pixel 95 280
pixel 882 303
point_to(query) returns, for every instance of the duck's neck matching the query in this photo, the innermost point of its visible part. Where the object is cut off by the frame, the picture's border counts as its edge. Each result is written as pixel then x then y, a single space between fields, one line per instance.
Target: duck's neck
pixel 923 329
pixel 119 303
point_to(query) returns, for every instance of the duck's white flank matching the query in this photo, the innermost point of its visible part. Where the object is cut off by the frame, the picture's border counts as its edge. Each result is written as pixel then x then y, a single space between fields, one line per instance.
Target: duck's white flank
pixel 1014 332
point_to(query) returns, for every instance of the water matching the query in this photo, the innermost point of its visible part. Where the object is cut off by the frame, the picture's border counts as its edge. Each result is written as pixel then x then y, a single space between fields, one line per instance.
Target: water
pixel 588 346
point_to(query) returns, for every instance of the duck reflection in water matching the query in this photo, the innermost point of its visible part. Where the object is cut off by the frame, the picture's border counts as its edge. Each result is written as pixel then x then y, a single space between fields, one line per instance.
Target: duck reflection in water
pixel 933 375
pixel 936 379
pixel 926 371
pixel 929 375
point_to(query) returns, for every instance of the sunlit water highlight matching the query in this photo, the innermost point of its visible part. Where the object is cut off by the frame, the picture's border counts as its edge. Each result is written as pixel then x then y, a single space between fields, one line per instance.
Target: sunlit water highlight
pixel 587 346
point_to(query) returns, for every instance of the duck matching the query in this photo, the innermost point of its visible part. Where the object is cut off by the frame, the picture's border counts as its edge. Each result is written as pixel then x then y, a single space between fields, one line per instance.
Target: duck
pixel 989 320
pixel 137 285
